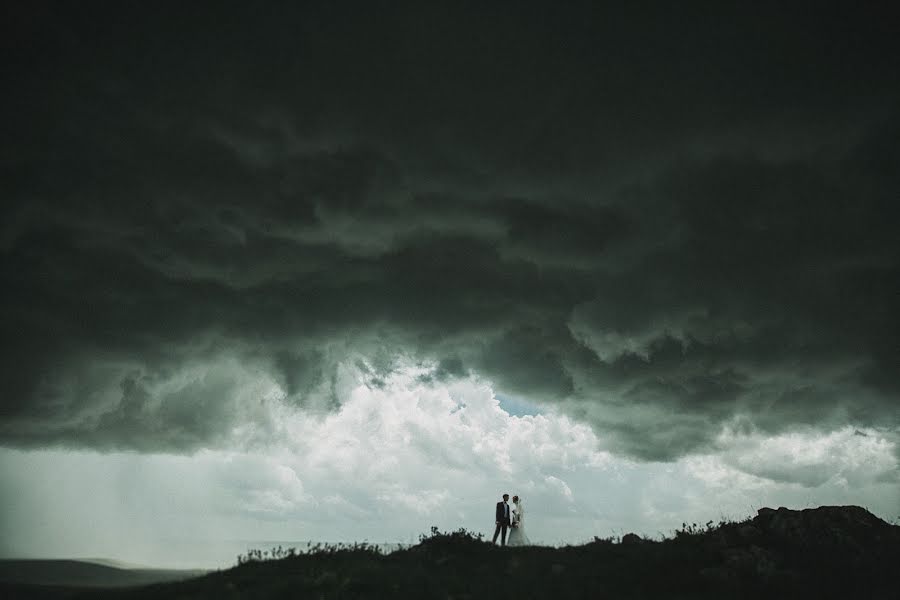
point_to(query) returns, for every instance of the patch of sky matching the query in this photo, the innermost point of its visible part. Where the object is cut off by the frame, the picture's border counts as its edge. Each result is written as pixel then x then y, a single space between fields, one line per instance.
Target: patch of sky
pixel 517 407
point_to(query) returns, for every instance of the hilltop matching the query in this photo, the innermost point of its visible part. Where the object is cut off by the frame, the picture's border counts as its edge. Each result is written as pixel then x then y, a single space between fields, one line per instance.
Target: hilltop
pixel 826 552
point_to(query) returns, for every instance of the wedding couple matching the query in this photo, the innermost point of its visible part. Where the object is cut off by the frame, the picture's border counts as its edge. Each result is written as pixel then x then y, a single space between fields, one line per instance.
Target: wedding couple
pixel 513 518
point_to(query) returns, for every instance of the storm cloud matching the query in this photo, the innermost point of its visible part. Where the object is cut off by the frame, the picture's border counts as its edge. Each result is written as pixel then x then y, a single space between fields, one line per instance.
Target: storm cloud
pixel 666 226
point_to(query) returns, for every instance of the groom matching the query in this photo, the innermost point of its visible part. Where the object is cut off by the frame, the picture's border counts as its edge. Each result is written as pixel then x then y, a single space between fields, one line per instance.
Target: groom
pixel 502 520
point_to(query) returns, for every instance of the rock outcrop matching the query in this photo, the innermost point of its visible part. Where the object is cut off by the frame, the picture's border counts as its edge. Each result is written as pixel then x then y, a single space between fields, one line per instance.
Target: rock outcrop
pixel 850 530
pixel 784 548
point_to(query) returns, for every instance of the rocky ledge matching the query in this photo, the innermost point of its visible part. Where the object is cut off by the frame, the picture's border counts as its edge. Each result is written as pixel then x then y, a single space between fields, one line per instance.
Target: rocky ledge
pixel 797 548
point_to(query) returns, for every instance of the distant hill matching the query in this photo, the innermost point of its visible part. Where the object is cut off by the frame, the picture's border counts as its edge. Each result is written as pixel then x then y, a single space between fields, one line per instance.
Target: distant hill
pixel 59 577
pixel 828 552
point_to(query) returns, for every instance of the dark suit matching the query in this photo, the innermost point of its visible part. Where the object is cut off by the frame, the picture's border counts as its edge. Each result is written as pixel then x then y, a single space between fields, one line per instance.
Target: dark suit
pixel 502 519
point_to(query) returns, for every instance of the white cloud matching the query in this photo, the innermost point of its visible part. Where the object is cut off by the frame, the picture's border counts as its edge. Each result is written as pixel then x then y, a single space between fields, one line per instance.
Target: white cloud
pixel 847 456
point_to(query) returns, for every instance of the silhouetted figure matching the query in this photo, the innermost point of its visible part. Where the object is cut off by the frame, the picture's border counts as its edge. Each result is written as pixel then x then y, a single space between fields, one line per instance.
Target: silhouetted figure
pixel 502 520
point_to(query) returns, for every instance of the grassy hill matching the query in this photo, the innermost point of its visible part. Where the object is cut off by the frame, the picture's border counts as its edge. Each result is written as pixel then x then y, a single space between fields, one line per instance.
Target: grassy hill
pixel 828 552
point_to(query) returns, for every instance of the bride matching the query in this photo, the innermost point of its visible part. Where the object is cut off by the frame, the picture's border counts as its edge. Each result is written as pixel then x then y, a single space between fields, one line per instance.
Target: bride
pixel 517 535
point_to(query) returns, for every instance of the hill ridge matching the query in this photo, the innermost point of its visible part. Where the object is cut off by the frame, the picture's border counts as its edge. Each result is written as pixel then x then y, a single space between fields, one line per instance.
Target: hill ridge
pixel 824 552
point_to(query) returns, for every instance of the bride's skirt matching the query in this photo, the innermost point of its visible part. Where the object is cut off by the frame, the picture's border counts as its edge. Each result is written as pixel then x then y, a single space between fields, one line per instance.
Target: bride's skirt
pixel 517 537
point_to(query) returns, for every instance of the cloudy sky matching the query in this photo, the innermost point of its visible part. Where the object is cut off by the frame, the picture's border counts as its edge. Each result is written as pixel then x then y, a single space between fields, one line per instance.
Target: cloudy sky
pixel 343 271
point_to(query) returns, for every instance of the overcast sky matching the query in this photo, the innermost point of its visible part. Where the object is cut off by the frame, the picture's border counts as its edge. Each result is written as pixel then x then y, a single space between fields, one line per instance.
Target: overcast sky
pixel 343 271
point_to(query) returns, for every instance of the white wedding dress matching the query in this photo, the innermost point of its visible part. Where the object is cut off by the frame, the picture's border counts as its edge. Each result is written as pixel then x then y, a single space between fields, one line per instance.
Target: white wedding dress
pixel 517 535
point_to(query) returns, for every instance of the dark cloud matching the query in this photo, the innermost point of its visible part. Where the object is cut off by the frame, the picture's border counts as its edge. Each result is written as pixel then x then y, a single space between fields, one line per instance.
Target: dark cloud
pixel 662 223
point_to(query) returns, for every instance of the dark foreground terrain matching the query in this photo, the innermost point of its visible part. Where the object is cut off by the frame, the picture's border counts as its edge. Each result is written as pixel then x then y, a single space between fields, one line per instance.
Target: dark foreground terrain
pixel 828 552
